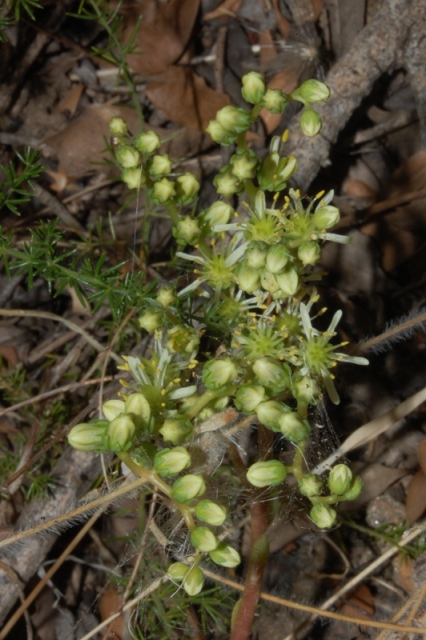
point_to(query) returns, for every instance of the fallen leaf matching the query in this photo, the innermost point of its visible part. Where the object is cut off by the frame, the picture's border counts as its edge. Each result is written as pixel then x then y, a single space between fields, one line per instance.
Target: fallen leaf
pixel 226 8
pixel 268 50
pixel 421 454
pixel 109 603
pixel 360 604
pixel 185 97
pixel 287 81
pixel 283 23
pixel 416 497
pixel 70 99
pixel 163 34
pixel 404 567
pixel 358 189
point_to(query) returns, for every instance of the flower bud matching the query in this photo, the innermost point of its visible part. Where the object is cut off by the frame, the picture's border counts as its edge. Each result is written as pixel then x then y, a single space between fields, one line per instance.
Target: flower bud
pixel 225 556
pixel 219 134
pixel 267 473
pixel 243 164
pixel 89 436
pixel 313 91
pixel 269 282
pixel 194 581
pixel 275 100
pixel 117 126
pixel 112 408
pixel 210 512
pixel 269 413
pixel 272 373
pixel 248 279
pixel 309 253
pixel 169 462
pixel 256 256
pixel 188 487
pixel 187 187
pixel 340 479
pixel 310 122
pixel 176 430
pixel 219 373
pixel 203 539
pixel 249 397
pixel 276 258
pixel 288 281
pixel 306 390
pixel 138 406
pixel 127 157
pixel 293 427
pixel 147 142
pixel 159 165
pixel 275 171
pixel 310 485
pixel 133 177
pixel 182 339
pixel 326 217
pixel 177 571
pixel 323 516
pixel 226 183
pixel 166 296
pixel 254 87
pixel 218 213
pixel 187 231
pixel 120 433
pixel 163 190
pixel 151 320
pixel 354 490
pixel 233 119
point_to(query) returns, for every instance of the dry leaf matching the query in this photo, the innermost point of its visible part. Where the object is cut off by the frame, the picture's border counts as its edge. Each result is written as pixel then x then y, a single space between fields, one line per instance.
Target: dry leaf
pixel 410 176
pixel 109 603
pixel 227 8
pixel 268 51
pixel 360 604
pixel 404 566
pixel 421 454
pixel 317 6
pixel 416 497
pixel 358 189
pixel 70 99
pixel 163 34
pixel 285 80
pixel 185 98
pixel 283 23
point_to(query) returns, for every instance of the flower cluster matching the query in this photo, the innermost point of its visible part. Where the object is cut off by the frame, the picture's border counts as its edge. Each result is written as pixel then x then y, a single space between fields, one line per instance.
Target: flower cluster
pixel 251 287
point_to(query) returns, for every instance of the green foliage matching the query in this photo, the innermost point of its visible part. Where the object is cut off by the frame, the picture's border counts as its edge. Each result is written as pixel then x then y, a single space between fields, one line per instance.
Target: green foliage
pixel 17 188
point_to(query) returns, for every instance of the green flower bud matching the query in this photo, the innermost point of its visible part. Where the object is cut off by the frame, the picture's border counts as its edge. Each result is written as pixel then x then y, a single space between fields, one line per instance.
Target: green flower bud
pixel 248 279
pixel 219 373
pixel 254 87
pixel 310 122
pixel 226 183
pixel 276 258
pixel 309 253
pixel 166 296
pixel 188 488
pixel 210 512
pixel 306 390
pixel 272 373
pixel 176 430
pixel 187 231
pixel 112 408
pixel 117 126
pixel 147 142
pixel 133 177
pixel 220 404
pixel 182 339
pixel 206 414
pixel 203 539
pixel 151 320
pixel 312 91
pixel 233 119
pixel 326 217
pixel 177 571
pixel 218 213
pixel 89 436
pixel 269 413
pixel 275 171
pixel 340 479
pixel 127 157
pixel 293 427
pixel 288 281
pixel 120 433
pixel 169 462
pixel 323 516
pixel 310 485
pixel 194 581
pixel 219 134
pixel 243 164
pixel 256 257
pixel 162 191
pixel 249 397
pixel 269 282
pixel 137 405
pixel 275 100
pixel 225 556
pixel 187 187
pixel 354 490
pixel 267 473
pixel 159 165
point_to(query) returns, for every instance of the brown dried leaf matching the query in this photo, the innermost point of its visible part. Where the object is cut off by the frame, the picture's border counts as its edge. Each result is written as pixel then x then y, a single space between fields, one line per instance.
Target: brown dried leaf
pixel 226 8
pixel 268 51
pixel 358 189
pixel 416 497
pixel 405 571
pixel 285 80
pixel 283 23
pixel 163 34
pixel 410 176
pixel 109 603
pixel 317 6
pixel 70 99
pixel 421 454
pixel 360 604
pixel 185 98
